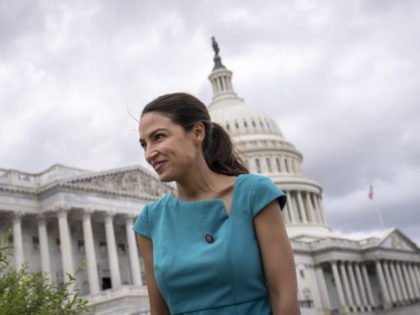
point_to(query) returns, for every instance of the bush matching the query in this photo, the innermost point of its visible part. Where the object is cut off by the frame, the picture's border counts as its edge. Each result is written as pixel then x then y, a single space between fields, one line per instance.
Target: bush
pixel 33 293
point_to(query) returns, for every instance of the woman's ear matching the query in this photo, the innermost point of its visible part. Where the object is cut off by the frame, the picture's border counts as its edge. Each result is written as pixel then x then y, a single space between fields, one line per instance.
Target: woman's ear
pixel 199 132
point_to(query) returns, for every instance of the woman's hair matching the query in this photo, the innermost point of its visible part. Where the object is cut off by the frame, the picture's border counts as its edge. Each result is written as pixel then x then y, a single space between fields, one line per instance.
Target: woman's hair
pixel 186 110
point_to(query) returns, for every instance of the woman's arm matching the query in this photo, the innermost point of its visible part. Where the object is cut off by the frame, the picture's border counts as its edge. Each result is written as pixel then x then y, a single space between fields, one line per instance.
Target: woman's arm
pixel 157 303
pixel 278 261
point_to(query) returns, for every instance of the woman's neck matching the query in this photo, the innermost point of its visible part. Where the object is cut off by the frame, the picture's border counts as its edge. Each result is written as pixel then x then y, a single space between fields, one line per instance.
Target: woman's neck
pixel 202 185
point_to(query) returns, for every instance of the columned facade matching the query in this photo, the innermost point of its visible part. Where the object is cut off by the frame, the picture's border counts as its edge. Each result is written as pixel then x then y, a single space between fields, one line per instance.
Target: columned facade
pixel 86 246
pixel 66 221
pixel 353 286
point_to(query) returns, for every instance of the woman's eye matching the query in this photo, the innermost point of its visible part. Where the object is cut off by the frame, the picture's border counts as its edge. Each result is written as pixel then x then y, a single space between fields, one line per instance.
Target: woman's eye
pixel 159 136
pixel 143 145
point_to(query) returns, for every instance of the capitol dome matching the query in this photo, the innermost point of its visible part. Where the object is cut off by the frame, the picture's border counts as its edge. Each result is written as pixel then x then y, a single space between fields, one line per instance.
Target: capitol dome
pixel 243 119
pixel 265 151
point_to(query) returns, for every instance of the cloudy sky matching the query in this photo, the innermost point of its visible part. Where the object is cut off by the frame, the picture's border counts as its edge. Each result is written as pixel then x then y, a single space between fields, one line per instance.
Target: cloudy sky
pixel 341 78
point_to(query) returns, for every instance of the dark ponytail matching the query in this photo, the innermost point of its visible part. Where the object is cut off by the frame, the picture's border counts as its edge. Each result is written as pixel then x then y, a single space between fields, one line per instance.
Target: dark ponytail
pixel 220 154
pixel 186 110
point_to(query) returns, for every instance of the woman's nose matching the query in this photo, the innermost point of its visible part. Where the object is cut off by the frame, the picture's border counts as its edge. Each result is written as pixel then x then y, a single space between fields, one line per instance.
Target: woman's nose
pixel 150 154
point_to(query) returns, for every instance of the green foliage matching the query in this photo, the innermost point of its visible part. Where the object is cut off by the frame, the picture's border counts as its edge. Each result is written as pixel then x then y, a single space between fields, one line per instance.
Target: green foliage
pixel 32 293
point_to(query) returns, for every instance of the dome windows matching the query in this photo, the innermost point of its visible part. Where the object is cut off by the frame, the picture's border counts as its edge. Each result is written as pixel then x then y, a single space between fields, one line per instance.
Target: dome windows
pixel 268 165
pixel 278 165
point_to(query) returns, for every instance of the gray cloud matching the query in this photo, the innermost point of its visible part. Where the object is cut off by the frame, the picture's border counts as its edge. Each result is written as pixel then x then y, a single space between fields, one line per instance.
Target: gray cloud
pixel 340 78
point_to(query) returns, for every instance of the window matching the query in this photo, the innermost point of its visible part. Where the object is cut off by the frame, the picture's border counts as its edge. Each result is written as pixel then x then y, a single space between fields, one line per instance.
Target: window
pixel 102 247
pixel 245 124
pixel 121 249
pixel 106 283
pixel 81 246
pixel 278 164
pixel 35 242
pixel 286 163
pixel 268 165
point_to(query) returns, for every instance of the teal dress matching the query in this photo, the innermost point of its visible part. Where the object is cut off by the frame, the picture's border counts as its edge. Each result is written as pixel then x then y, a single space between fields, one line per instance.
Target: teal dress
pixel 205 261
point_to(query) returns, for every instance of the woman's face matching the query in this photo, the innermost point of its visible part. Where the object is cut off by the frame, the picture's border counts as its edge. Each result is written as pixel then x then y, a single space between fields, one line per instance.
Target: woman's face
pixel 168 148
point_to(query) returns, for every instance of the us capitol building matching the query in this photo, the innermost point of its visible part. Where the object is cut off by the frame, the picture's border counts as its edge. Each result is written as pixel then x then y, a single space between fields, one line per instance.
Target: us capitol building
pixel 64 216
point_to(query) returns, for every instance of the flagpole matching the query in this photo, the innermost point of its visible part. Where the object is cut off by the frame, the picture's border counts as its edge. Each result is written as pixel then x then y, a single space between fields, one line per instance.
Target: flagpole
pixel 378 214
pixel 375 206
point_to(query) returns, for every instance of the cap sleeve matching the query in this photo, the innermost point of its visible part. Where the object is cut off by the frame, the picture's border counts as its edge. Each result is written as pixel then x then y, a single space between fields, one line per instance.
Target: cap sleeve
pixel 142 225
pixel 264 192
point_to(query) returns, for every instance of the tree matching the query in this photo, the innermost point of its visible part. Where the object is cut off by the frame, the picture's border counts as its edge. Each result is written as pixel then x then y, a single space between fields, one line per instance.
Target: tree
pixel 23 292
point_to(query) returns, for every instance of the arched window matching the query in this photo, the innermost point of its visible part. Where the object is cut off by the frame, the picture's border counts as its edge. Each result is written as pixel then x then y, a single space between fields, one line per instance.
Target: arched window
pixel 278 164
pixel 268 164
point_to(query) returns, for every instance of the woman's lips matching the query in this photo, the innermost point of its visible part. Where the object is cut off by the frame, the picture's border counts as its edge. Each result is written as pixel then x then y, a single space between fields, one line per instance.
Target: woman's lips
pixel 158 165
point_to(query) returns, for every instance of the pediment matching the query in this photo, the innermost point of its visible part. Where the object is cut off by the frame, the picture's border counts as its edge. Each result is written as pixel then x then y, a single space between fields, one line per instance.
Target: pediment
pixel 131 181
pixel 396 240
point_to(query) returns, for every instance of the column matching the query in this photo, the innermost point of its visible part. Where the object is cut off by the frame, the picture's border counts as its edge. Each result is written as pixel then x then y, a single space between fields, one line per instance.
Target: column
pixel 91 265
pixel 291 207
pixel 347 291
pixel 43 245
pixel 407 279
pixel 354 287
pixel 65 242
pixel 132 251
pixel 417 273
pixel 412 276
pixel 18 240
pixel 302 207
pixel 361 286
pixel 398 289
pixel 340 293
pixel 321 209
pixel 401 280
pixel 112 251
pixel 389 283
pixel 309 207
pixel 315 210
pixel 385 294
pixel 323 288
pixel 283 165
pixel 365 275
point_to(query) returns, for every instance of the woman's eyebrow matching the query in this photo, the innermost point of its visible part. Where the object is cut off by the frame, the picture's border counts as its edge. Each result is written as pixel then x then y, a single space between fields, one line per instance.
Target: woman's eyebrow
pixel 153 133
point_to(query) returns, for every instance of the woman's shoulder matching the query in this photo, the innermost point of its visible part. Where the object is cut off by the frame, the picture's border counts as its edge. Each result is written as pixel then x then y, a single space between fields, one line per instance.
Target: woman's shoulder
pixel 252 179
pixel 157 204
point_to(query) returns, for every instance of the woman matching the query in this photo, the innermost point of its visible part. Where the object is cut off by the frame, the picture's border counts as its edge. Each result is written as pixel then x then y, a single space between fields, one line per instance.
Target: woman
pixel 217 244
